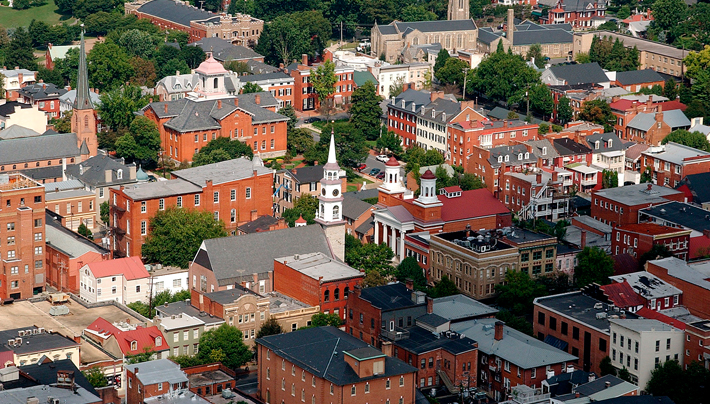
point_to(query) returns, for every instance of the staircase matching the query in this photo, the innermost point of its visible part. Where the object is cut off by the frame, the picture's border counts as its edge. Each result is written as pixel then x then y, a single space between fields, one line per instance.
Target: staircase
pixel 447 382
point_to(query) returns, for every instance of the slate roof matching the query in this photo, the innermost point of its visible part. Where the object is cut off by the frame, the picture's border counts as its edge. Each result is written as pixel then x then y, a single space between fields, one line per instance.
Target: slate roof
pixel 365 227
pixel 520 349
pixel 604 139
pixel 568 147
pixel 257 67
pixel 69 97
pixel 42 91
pixel 46 373
pixel 218 173
pixel 179 83
pixel 698 185
pixel 37 148
pixel 410 98
pixel 580 73
pixel 9 107
pixel 262 223
pixel 545 36
pixel 239 257
pixel 634 151
pixel 305 175
pixel 638 77
pixel 512 152
pixel 443 110
pixel 674 118
pixel 421 341
pixel 487 35
pixel 68 242
pixel 461 307
pixel 435 26
pixel 389 297
pixel 176 12
pixel 320 351
pixel 353 207
pixel 17 132
pixel 549 152
pixel 94 170
pixel 236 52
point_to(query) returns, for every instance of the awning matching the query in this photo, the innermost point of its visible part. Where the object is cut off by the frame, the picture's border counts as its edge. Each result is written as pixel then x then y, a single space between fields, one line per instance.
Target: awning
pixel 556 342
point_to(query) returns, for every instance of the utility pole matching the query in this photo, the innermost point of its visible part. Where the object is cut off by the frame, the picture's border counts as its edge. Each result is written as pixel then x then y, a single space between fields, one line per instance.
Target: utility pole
pixel 341 35
pixel 465 75
pixel 527 96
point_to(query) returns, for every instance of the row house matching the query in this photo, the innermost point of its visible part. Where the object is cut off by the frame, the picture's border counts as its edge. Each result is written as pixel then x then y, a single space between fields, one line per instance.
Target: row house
pixel 636 80
pixel 672 162
pixel 652 128
pixel 688 277
pixel 465 137
pixel 402 114
pixel 540 195
pixel 625 109
pixel 44 95
pixel 433 119
pixel 654 293
pixel 577 94
pixel 15 79
pixel 621 205
pixel 684 216
pixel 575 130
pixel 124 280
pixel 279 84
pixel 608 153
pixel 491 164
pixel 235 191
pixel 156 380
pixel 633 162
pixel 697 342
pixel 305 97
pixel 638 239
pixel 390 76
pixel 580 14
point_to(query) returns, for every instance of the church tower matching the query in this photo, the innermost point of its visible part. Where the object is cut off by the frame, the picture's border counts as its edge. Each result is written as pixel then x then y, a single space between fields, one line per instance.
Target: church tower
pixel 83 121
pixel 458 10
pixel 330 206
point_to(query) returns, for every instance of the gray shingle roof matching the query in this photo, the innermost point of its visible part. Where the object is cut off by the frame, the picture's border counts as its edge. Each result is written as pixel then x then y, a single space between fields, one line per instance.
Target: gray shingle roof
pixel 92 171
pixel 353 207
pixel 543 149
pixel 160 189
pixel 548 36
pixel 389 297
pixel 513 153
pixel 17 132
pixel 444 110
pixel 265 76
pixel 580 73
pixel 224 171
pixel 234 258
pixel 567 147
pixel 305 175
pixel 45 147
pixel 604 139
pixel 9 107
pixel 42 91
pixel 487 36
pixel 321 350
pixel 638 77
pixel 156 371
pixel 461 307
pixel 174 11
pixel 262 223
pixel 65 240
pixel 436 26
pixel 673 118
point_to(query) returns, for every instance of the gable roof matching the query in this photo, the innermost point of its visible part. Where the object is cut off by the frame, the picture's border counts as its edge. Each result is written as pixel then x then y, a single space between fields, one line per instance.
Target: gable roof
pixel 46 373
pixel 360 78
pixel 15 131
pixel 674 118
pixel 92 171
pixel 567 147
pixel 48 146
pixel 262 223
pixel 389 297
pixel 459 208
pixel 434 26
pixel 354 207
pixel 68 242
pixel 240 257
pixel 130 267
pixel 42 91
pixel 221 172
pixel 145 338
pixel 305 175
pixel 604 140
pixel 580 73
pixel 158 371
pixel 638 77
pixel 174 11
pixel 622 294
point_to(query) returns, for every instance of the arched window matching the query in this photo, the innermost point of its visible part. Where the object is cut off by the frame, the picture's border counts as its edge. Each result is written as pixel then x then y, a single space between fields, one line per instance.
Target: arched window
pixel 345 292
pixel 336 294
pixel 216 83
pixel 336 212
pixel 415 41
pixel 326 296
pixel 86 122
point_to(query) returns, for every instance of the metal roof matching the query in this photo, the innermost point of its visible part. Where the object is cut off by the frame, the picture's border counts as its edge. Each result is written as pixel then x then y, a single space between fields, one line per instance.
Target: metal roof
pixel 158 371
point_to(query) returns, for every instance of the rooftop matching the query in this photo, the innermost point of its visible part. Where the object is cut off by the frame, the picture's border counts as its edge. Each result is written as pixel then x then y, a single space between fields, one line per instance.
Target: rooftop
pixel 623 295
pixel 674 118
pixel 279 303
pixel 420 341
pixel 582 308
pixel 157 371
pixel 30 340
pixel 637 194
pixel 160 189
pixel 675 153
pixel 648 285
pixel 476 242
pixel 696 274
pixel 643 325
pixel 638 77
pixel 44 392
pixel 461 307
pixel 580 73
pixel 320 267
pixel 679 214
pixel 222 172
pixel 181 320
pixel 389 297
pixel 130 267
pixel 177 308
pixel 229 296
pixel 262 223
pixel 68 242
pixel 645 45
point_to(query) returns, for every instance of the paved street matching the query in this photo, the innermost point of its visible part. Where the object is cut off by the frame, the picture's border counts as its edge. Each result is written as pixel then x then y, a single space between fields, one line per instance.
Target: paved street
pixel 247 383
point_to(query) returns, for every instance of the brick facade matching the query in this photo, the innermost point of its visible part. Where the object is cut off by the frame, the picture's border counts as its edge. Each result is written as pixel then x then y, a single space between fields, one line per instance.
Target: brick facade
pixel 638 239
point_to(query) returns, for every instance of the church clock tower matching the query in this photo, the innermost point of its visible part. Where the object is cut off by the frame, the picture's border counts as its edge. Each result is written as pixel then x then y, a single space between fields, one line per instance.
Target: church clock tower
pixel 459 10
pixel 330 204
pixel 83 120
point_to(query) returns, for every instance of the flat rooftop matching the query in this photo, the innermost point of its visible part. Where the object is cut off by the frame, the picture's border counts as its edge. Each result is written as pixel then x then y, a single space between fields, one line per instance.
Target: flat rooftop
pixel 648 285
pixel 15 181
pixel 320 267
pixel 461 307
pixel 177 308
pixel 279 303
pixel 181 320
pixel 679 214
pixel 637 194
pixel 582 308
pixel 479 242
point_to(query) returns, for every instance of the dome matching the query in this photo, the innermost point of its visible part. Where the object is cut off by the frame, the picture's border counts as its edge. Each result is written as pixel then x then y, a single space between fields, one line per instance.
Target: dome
pixel 428 175
pixel 211 67
pixel 141 175
pixel 392 162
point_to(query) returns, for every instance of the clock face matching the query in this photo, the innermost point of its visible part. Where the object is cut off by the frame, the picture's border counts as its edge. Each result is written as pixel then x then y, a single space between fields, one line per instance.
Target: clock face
pixel 323 191
pixel 335 192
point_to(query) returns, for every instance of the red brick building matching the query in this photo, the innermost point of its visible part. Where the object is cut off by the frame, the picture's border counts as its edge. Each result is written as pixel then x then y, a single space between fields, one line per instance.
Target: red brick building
pixel 655 293
pixel 579 14
pixel 316 280
pixel 44 95
pixel 324 364
pixel 621 205
pixel 638 239
pixel 672 162
pixel 209 379
pixel 156 378
pixel 402 113
pixel 697 343
pixel 305 97
pixel 491 165
pixel 235 191
pixel 23 247
pixel 467 136
pixel 690 278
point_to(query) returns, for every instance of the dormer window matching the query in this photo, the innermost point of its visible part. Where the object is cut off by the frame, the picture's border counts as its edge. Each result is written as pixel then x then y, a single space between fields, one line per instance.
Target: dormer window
pixel 134 345
pixel 544 150
pixel 158 341
pixel 507 158
pixel 609 143
pixel 81 169
pixel 433 112
pixel 119 174
pixel 500 159
pixel 527 155
pixel 520 156
pixel 596 145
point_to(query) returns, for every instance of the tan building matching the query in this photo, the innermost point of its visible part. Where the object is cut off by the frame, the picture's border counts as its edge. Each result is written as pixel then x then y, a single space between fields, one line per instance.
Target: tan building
pixel 538 251
pixel 73 203
pixel 652 55
pixel 475 262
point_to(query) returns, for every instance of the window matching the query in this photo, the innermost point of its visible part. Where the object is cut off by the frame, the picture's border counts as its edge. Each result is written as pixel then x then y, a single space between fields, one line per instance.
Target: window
pixel 353 390
pixel 658 346
pixel 248 193
pixel 216 197
pixel 575 333
pixel 197 199
pixel 38 237
pixel 161 204
pixel 233 195
pixel 38 250
pixel 144 228
pixel 401 381
pixel 179 201
pixel 143 207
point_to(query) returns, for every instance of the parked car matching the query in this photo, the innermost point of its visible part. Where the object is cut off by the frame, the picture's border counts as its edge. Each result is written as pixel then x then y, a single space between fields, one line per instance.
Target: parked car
pixel 382 157
pixel 313 119
pixel 381 175
pixel 361 167
pixel 374 172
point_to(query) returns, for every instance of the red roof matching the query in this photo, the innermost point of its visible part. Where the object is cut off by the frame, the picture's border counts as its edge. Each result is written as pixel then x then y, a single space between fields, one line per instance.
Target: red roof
pixel 671 105
pixel 392 162
pixel 428 175
pixel 622 105
pixel 473 203
pixel 301 219
pixel 623 295
pixel 645 312
pixel 453 188
pixel 130 267
pixel 652 229
pixel 145 338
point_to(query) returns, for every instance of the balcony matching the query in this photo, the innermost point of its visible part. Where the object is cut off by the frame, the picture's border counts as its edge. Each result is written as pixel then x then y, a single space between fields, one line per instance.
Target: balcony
pixel 118 231
pixel 395 335
pixel 117 208
pixel 588 182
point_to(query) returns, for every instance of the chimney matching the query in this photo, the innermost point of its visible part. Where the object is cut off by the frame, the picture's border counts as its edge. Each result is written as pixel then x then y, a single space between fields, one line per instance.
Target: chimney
pixel 649 101
pixel 236 102
pixel 429 305
pixel 257 99
pixel 583 239
pixel 499 330
pixel 435 95
pixel 578 136
pixel 607 385
pixel 387 348
pixel 576 394
pixel 165 108
pixel 538 178
pixel 659 115
pixel 304 59
pixel 410 284
pixel 511 25
pixel 254 215
pixel 219 104
pixel 649 187
pixel 281 66
pixel 468 104
pixel 468 231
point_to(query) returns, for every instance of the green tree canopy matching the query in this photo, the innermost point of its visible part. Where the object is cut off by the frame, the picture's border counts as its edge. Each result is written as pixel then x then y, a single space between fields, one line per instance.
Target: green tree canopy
pixel 269 327
pixel 322 320
pixel 518 292
pixel 658 251
pixel 391 142
pixel 19 51
pixel 323 80
pixel 283 40
pixel 667 13
pixel 564 110
pixel 610 179
pixel 691 139
pixel 108 66
pixel 599 112
pixel 593 265
pixel 606 367
pixel 141 143
pixel 365 110
pixel 299 141
pixel 305 206
pixel 249 88
pixel 452 72
pixel 445 287
pixel 117 106
pixel 373 278
pixel 229 341
pixel 221 149
pixel 350 146
pixel 409 269
pixel 535 53
pixel 95 376
pixel 441 59
pixel 137 43
pixel 415 12
pixel 368 257
pixel 183 227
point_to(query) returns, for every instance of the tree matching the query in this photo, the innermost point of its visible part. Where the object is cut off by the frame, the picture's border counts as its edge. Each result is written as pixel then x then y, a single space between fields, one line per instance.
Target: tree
pixel 397 87
pixel 516 322
pixel 84 231
pixel 183 227
pixel 599 112
pixel 19 51
pixel 668 379
pixel 145 73
pixel 518 292
pixel 323 81
pixel 365 110
pixel 390 141
pixel 108 66
pixel 692 139
pixel 414 12
pixel 609 26
pixel 445 287
pixel 610 179
pixel 145 356
pixel 269 327
pixel 606 367
pixel 647 175
pixel 221 149
pixel 282 40
pixel 117 106
pixel 299 141
pixel 624 374
pixel 241 68
pixel 670 89
pixel 141 143
pixel 535 53
pixel 409 269
pixel 322 320
pixel 667 13
pixel 452 72
pixel 696 62
pixel 305 206
pixel 373 278
pixel 249 88
pixel 137 43
pixel 242 7
pixel 441 59
pixel 227 339
pixel 657 251
pixel 564 111
pixel 469 181
pixel 350 145
pixel 368 257
pixel 95 376
pixel 593 266
pixel 289 112
pixel 105 209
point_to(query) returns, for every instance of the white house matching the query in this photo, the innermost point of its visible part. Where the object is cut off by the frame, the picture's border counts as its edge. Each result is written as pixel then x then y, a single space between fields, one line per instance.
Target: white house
pixel 167 279
pixel 391 75
pixel 124 280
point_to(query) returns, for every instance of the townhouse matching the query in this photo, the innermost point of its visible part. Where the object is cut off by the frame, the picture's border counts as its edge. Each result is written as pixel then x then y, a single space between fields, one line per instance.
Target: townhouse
pixel 44 95
pixel 465 136
pixel 158 380
pixel 124 280
pixel 672 162
pixel 652 128
pixel 305 97
pixel 279 84
pixel 638 239
pixel 655 293
pixel 402 113
pixel 682 216
pixel 608 153
pixel 622 205
pixel 580 14
pixel 635 80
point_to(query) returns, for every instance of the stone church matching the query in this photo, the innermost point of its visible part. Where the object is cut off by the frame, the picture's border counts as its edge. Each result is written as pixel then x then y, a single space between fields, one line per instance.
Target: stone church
pixel 459 32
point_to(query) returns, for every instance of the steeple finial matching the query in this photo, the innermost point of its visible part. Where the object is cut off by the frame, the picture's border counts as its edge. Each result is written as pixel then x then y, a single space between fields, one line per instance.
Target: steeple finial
pixel 83 100
pixel 331 152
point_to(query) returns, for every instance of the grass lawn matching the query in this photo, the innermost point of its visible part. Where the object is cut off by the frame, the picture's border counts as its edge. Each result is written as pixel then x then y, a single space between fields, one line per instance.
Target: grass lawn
pixel 351 188
pixel 10 18
pixel 321 124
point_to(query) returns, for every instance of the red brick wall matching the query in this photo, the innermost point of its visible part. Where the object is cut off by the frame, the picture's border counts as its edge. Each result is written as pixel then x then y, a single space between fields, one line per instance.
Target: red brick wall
pixel 696 345
pixel 63 272
pixel 695 298
pixel 363 331
pixel 609 211
pixel 645 242
pixel 408 133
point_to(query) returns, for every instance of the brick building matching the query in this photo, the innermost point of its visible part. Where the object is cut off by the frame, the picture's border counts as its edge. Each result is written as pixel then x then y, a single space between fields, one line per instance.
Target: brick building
pixel 239 29
pixel 14 80
pixel 379 313
pixel 358 216
pixel 682 216
pixel 580 323
pixel 635 80
pixel 621 205
pixel 655 293
pixel 402 114
pixel 186 125
pixel 638 239
pixel 491 165
pixel 235 191
pixel 292 184
pixel 157 380
pixel 324 364
pixel 213 378
pixel 697 343
pixel 70 200
pixel 316 280
pixel 279 84
pixel 580 14
pixel 690 278
pixel 66 253
pixel 44 95
pixel 239 307
pixel 652 128
pixel 305 97
pixel 672 162
pixel 23 226
pixel 123 340
pixel 465 137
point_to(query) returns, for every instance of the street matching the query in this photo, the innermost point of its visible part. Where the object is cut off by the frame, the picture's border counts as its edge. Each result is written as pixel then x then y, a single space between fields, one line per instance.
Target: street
pixel 247 383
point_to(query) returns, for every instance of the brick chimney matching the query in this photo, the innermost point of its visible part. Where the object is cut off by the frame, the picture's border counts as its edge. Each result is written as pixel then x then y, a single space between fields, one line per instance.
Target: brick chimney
pixel 236 102
pixel 499 330
pixel 511 25
pixel 435 95
pixel 429 305
pixel 387 348
pixel 583 239
pixel 649 101
pixel 257 99
pixel 538 178
pixel 409 283
pixel 659 116
pixel 165 108
pixel 254 215
pixel 304 59
pixel 219 104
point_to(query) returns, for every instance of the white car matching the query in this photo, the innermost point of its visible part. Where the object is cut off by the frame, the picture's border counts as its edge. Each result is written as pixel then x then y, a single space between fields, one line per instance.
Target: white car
pixel 383 158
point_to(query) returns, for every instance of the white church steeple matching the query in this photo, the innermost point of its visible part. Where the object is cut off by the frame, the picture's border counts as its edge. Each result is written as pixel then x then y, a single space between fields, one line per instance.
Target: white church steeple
pixel 330 203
